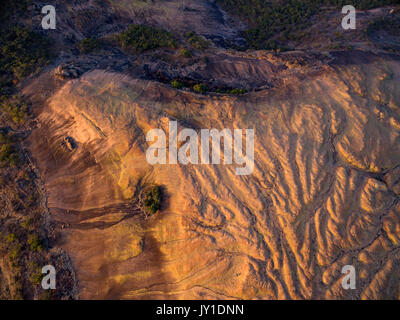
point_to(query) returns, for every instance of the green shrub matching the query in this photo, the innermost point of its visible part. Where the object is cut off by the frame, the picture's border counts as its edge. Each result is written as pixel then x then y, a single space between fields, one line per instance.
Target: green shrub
pixel 196 41
pixel 11 238
pixel 200 88
pixel 15 253
pixel 152 199
pixel 186 53
pixel 26 223
pixel 34 243
pixel 16 109
pixel 138 38
pixel 36 276
pixel 8 155
pixel 88 45
pixel 34 272
pixel 177 84
pixel 22 52
pixel 238 91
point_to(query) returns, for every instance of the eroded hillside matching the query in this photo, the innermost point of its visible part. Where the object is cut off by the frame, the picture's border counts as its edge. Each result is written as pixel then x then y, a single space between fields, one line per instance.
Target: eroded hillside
pixel 77 191
pixel 324 192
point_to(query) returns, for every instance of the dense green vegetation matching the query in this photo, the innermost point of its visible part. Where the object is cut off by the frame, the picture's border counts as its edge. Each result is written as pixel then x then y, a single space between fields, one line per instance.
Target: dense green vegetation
pixel 177 84
pixel 8 155
pixel 22 52
pixel 23 243
pixel 15 109
pixel 23 260
pixel 272 23
pixel 138 38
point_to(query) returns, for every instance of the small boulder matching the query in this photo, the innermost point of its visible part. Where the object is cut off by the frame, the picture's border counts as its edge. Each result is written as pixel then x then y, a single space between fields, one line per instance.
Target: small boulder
pixel 64 71
pixel 70 143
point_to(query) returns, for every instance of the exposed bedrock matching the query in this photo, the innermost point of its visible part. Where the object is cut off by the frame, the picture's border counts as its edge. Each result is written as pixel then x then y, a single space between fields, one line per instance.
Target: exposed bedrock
pixel 324 192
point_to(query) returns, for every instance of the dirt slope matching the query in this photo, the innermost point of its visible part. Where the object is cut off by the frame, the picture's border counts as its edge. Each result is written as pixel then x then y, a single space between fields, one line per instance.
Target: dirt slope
pixel 324 192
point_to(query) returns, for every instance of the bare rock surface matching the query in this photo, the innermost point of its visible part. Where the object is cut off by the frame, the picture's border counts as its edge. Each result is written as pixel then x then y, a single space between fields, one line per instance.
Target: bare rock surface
pixel 324 192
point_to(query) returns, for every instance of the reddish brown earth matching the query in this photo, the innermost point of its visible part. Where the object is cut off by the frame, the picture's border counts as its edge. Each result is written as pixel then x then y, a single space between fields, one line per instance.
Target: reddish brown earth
pixel 324 192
